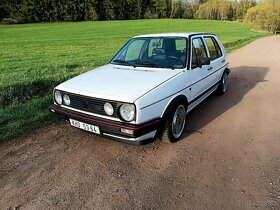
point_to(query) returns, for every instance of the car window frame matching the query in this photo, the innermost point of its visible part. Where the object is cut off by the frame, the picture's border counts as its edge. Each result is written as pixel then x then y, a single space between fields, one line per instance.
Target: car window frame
pixel 185 67
pixel 217 44
pixel 205 48
pixel 140 52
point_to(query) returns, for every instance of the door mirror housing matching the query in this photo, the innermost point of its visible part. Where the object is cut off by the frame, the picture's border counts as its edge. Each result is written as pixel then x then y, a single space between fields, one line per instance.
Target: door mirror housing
pixel 206 61
pixel 203 62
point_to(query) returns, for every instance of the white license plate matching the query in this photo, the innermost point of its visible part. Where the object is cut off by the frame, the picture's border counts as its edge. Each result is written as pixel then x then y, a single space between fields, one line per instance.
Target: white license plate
pixel 85 126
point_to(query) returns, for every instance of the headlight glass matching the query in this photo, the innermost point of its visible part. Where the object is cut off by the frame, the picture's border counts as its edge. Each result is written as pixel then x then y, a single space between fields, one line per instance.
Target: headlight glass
pixel 66 100
pixel 108 108
pixel 127 112
pixel 58 97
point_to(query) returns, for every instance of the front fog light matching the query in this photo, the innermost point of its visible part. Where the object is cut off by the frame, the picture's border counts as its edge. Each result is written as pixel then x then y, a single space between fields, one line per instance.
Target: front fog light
pixel 108 108
pixel 66 100
pixel 58 97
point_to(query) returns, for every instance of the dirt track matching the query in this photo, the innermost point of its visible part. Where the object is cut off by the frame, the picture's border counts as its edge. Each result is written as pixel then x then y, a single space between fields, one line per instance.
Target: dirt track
pixel 229 158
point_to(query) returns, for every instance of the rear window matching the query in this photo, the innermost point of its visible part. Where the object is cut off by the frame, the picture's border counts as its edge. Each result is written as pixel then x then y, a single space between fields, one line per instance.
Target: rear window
pixel 213 47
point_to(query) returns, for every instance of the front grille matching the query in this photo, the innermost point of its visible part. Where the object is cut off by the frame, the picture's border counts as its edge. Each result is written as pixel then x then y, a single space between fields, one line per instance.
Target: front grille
pixel 92 105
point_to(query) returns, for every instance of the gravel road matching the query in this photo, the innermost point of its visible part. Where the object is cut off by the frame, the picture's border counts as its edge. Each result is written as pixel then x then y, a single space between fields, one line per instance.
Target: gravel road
pixel 229 157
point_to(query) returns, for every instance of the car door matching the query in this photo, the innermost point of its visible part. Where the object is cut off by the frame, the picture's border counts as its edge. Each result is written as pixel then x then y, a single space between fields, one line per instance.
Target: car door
pixel 217 58
pixel 199 68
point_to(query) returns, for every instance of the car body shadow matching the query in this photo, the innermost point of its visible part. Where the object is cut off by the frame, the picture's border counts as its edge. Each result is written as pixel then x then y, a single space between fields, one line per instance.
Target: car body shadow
pixel 241 80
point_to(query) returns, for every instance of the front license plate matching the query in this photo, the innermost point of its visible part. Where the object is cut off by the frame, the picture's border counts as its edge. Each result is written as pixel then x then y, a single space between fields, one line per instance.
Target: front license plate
pixel 85 126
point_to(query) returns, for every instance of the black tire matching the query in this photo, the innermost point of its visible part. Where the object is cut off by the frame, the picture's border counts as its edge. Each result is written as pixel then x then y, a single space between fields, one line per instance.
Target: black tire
pixel 170 134
pixel 223 86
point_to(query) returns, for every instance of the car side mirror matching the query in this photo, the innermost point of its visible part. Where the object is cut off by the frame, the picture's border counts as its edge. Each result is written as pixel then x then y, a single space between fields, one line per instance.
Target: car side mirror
pixel 203 62
pixel 206 61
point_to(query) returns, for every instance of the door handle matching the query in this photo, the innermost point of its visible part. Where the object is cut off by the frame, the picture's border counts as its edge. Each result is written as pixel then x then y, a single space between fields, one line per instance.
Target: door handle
pixel 223 61
pixel 210 68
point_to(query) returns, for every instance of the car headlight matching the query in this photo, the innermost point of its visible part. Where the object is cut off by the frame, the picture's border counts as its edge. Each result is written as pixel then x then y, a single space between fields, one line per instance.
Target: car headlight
pixel 127 112
pixel 108 108
pixel 58 97
pixel 66 100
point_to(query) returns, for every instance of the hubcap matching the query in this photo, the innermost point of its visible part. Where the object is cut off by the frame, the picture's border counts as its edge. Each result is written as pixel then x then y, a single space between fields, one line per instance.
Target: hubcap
pixel 178 122
pixel 225 82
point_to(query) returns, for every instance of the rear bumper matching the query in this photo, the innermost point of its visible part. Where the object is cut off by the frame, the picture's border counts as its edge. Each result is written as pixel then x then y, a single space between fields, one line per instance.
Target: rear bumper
pixel 112 129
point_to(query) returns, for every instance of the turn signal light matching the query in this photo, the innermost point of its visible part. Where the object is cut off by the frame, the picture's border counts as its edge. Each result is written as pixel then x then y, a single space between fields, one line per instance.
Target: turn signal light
pixel 127 131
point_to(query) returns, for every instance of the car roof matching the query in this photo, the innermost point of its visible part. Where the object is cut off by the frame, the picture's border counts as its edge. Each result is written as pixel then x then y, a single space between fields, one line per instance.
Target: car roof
pixel 182 34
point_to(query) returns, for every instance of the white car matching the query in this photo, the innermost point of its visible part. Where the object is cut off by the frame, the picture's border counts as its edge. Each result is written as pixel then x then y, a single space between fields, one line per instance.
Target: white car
pixel 147 89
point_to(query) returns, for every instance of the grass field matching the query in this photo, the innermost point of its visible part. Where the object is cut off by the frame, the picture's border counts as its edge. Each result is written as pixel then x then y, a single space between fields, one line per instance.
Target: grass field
pixel 36 57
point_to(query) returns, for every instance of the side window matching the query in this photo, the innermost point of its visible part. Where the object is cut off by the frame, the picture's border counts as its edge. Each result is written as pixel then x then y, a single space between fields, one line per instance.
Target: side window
pixel 133 50
pixel 199 55
pixel 213 47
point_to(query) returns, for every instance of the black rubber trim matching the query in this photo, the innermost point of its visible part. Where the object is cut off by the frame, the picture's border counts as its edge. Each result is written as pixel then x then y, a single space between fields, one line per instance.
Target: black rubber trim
pixel 215 40
pixel 200 95
pixel 183 88
pixel 190 42
pixel 118 52
pixel 108 126
pixel 210 74
pixel 228 71
pixel 144 37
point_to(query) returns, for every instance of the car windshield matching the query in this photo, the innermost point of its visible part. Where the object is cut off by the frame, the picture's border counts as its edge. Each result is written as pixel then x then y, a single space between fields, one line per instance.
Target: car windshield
pixel 161 52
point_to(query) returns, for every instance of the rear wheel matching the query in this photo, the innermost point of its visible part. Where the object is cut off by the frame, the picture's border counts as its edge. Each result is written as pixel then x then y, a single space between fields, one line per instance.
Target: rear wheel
pixel 174 125
pixel 223 86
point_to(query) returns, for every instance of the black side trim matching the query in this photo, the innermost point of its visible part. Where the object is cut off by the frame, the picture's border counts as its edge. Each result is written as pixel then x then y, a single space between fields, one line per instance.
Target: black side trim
pixel 163 98
pixel 210 74
pixel 200 95
pixel 183 88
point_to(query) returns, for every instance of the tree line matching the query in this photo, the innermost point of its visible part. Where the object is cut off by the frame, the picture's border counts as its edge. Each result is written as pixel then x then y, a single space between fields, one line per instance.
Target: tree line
pixel 83 10
pixel 71 10
pixel 265 16
pixel 27 11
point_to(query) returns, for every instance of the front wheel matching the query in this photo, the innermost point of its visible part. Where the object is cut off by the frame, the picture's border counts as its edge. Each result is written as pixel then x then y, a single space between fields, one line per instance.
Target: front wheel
pixel 223 86
pixel 175 125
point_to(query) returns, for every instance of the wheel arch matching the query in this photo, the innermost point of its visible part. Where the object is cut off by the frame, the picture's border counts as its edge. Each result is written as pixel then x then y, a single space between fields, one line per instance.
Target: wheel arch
pixel 168 110
pixel 175 101
pixel 227 71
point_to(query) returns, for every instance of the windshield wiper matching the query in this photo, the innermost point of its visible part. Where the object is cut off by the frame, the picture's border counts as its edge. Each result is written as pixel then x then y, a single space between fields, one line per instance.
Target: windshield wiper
pixel 172 67
pixel 148 63
pixel 123 62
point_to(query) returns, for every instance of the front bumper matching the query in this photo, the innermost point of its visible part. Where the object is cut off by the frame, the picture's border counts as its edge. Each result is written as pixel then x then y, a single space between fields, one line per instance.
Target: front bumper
pixel 112 129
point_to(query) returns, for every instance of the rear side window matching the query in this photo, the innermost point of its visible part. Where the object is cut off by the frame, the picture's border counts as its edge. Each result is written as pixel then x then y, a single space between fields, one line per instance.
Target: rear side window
pixel 213 47
pixel 199 55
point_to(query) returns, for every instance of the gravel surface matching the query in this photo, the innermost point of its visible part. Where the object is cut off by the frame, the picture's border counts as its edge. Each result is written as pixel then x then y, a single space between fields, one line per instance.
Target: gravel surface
pixel 229 157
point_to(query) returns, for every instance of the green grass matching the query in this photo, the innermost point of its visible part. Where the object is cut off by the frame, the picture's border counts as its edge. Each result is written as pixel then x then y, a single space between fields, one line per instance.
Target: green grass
pixel 15 120
pixel 36 57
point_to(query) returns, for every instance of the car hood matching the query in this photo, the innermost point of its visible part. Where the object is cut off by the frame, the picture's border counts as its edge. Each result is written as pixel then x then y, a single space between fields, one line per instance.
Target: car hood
pixel 119 83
